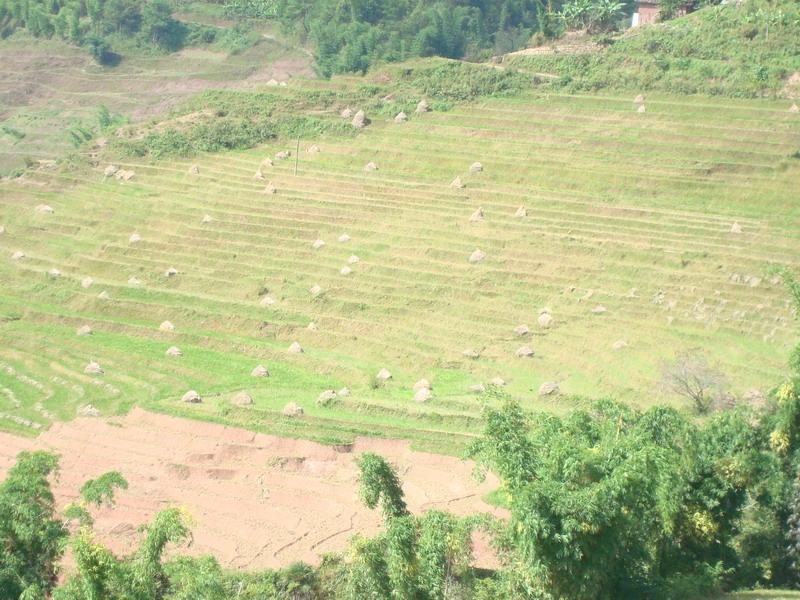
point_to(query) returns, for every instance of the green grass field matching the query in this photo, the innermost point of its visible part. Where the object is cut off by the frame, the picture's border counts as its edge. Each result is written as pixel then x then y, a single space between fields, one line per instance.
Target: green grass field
pixel 626 211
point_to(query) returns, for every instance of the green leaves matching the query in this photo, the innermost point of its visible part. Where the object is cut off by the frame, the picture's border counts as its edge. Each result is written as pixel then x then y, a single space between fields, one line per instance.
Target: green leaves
pixel 31 537
pixel 378 483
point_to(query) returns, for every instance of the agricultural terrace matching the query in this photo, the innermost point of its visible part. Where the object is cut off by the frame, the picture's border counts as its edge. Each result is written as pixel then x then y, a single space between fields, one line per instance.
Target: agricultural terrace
pixel 616 237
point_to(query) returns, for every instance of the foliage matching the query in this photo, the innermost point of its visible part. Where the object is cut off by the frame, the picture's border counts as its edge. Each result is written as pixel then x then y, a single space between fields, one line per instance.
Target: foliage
pixel 593 15
pixel 458 81
pixel 32 537
pixel 736 49
pixel 378 483
pixel 425 557
pixel 612 502
pixel 254 9
pixel 355 35
pixel 90 23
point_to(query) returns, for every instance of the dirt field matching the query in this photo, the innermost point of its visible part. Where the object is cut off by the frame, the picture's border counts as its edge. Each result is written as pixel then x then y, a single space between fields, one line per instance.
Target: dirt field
pixel 257 501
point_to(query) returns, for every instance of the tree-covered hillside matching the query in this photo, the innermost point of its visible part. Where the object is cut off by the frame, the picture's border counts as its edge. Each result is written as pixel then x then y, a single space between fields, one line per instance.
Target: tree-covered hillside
pixel 353 35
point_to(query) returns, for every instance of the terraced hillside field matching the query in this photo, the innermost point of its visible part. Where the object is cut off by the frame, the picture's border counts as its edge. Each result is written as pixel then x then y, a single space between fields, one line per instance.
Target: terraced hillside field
pixel 641 235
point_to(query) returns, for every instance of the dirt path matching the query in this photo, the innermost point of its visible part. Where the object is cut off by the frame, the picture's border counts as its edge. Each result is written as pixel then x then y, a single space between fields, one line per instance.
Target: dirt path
pixel 257 501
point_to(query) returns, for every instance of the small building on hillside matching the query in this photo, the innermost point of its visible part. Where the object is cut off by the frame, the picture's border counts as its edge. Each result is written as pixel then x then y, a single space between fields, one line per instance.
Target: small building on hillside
pixel 647 12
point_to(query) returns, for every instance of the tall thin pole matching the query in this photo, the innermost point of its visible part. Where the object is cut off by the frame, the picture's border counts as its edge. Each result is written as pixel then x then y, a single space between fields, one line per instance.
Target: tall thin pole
pixel 296 156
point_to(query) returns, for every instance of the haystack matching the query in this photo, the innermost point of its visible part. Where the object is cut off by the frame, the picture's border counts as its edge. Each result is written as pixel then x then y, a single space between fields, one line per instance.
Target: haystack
pixel 133 280
pixel 599 310
pixel 93 368
pixel 401 117
pixel 194 170
pixel 18 255
pixel 313 149
pixel 326 398
pixel 422 107
pixel 87 282
pixel 794 109
pixel 283 155
pixel 88 410
pixel 477 388
pixel 360 120
pixel 423 395
pixel 736 228
pixel 345 270
pixel 344 238
pixel 259 371
pixel 272 82
pixel 477 256
pixel 548 388
pixel 471 353
pixel 521 212
pixel 270 189
pixel 125 175
pixel 2 230
pixel 206 219
pixel 171 272
pixel 267 301
pixel 166 326
pixel 524 352
pixel 371 166
pixel 619 345
pixel 477 216
pixel 383 375
pixel 110 170
pixel 346 113
pixel 174 351
pixel 641 109
pixel 353 259
pixel 242 399
pixel 545 320
pixel 457 184
pixel 44 209
pixel 312 326
pixel 521 330
pixel 192 397
pixel 104 295
pixel 315 290
pixel 475 167
pixel 54 273
pixel 295 348
pixel 135 237
pixel 422 384
pixel 84 330
pixel 292 410
pixel 318 244
pixel 344 392
pixel 498 381
pixel 639 99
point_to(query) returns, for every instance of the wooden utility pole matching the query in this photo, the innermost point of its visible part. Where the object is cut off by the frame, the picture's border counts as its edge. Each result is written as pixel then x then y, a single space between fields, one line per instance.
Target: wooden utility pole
pixel 296 155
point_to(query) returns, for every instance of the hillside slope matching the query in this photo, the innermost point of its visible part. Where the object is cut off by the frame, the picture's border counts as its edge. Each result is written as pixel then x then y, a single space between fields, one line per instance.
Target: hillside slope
pixel 740 49
pixel 645 234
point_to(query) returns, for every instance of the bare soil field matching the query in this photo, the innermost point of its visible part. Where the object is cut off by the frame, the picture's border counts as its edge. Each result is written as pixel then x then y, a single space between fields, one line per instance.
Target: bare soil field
pixel 256 500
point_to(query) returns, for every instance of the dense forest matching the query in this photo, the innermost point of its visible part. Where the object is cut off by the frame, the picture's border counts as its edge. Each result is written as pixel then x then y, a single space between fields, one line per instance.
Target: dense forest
pixel 607 502
pixel 350 36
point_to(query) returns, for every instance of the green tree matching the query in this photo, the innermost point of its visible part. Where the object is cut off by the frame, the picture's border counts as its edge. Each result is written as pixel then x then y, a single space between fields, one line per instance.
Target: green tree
pixel 32 537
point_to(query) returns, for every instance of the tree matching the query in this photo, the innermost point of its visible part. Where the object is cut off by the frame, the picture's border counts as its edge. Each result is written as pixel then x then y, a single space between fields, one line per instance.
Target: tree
pixel 32 537
pixel 416 557
pixel 159 27
pixel 99 48
pixel 690 376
